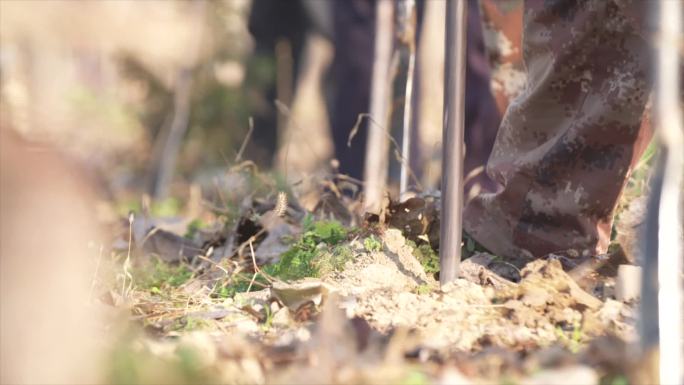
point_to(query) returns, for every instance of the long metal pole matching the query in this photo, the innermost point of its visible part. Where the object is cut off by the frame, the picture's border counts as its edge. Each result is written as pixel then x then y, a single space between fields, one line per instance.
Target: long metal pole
pixel 670 249
pixel 454 114
pixel 377 145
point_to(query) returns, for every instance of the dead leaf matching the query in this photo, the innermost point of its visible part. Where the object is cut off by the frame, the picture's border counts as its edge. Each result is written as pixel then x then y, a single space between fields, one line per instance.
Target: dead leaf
pixel 415 217
pixel 276 242
pixel 294 295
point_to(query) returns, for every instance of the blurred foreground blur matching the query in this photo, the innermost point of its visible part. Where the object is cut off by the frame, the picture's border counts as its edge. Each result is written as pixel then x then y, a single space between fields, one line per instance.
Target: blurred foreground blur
pixel 47 323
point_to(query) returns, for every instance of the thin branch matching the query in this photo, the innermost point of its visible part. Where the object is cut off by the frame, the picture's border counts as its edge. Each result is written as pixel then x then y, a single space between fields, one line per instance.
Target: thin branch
pixel 397 148
pixel 256 268
pixel 238 157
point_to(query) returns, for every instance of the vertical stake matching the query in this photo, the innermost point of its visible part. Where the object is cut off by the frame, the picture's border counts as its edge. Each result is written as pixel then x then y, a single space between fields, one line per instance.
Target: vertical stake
pixel 409 39
pixel 377 145
pixel 454 114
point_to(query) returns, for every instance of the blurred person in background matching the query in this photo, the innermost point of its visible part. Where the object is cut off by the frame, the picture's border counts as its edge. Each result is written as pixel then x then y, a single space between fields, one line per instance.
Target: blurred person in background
pixel 279 29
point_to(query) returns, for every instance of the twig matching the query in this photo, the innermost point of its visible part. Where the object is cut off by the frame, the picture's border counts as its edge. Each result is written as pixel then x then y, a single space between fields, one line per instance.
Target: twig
pixel 256 268
pixel 213 207
pixel 127 262
pixel 247 242
pixel 245 164
pixel 256 283
pixel 238 157
pixel 152 231
pixel 397 148
pixel 202 257
pixel 473 174
pixel 219 192
pixel 349 179
pixel 509 265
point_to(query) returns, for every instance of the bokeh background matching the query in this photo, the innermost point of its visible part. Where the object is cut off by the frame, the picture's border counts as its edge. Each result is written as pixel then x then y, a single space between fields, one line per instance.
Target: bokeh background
pixel 155 96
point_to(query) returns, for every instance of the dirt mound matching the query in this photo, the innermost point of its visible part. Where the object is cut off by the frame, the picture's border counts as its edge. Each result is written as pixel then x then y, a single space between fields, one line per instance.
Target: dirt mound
pixel 389 289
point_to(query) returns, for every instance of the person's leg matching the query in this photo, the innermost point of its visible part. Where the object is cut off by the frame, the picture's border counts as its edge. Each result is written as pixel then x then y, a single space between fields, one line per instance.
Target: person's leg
pixel 502 22
pixel 353 37
pixel 482 118
pixel 566 144
pixel 270 22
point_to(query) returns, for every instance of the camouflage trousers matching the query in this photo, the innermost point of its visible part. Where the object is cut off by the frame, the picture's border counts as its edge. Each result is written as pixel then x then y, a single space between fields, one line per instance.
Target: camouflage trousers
pixel 574 78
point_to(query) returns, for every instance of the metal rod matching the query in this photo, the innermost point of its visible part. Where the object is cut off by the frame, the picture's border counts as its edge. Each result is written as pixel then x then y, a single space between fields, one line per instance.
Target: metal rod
pixel 377 145
pixel 452 169
pixel 670 249
pixel 410 40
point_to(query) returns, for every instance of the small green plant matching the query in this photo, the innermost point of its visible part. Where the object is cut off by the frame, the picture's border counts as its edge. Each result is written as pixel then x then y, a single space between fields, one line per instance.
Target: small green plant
pixel 423 289
pixel 573 341
pixel 427 257
pixel 193 228
pixel 189 324
pixel 268 320
pixel 317 252
pixel 303 258
pixel 330 232
pixel 372 244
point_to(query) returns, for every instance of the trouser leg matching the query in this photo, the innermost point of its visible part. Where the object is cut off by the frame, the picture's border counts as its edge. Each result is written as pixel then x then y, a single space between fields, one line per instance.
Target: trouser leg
pixel 566 144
